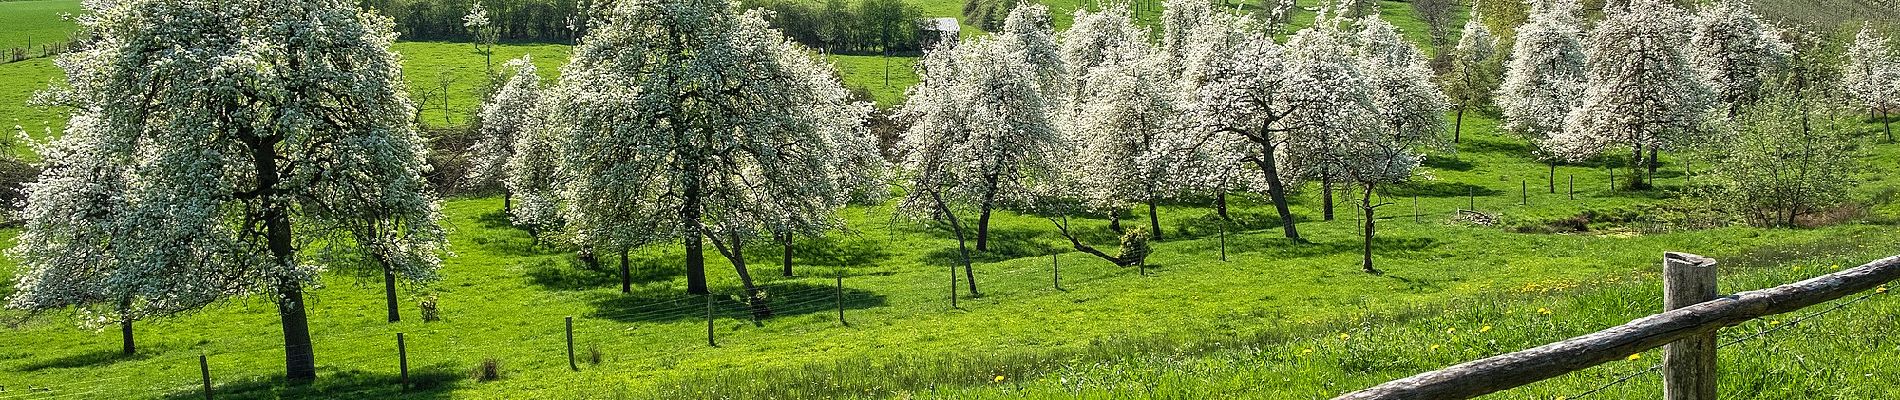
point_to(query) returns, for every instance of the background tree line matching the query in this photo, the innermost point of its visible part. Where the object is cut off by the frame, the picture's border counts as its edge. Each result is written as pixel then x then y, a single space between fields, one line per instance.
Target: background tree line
pixel 839 26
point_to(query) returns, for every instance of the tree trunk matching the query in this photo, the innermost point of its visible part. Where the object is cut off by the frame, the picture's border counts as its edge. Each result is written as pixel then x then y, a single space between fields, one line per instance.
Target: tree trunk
pixel 1326 201
pixel 1277 191
pixel 1459 126
pixel 1367 205
pixel 125 336
pixel 760 309
pixel 962 249
pixel 1553 177
pixel 1886 122
pixel 983 218
pixel 626 274
pixel 1220 206
pixel 507 201
pixel 787 263
pixel 125 326
pixel 389 291
pixel 1652 164
pixel 1636 167
pixel 1154 220
pixel 694 241
pixel 300 360
pixel 1115 222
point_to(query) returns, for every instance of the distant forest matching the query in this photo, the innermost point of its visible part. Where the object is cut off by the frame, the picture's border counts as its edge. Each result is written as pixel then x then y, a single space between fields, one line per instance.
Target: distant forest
pixel 838 26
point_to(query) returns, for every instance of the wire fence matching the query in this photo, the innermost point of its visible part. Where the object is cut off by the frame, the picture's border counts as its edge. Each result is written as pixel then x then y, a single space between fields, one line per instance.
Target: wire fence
pixel 1626 378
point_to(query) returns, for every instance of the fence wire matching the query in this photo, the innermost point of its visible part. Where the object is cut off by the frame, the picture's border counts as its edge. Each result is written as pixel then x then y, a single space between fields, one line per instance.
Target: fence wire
pixel 1839 305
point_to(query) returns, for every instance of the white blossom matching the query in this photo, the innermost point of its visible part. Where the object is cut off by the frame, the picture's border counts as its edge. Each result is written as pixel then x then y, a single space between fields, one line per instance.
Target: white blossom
pixel 1544 77
pixel 1735 53
pixel 1641 91
pixel 507 115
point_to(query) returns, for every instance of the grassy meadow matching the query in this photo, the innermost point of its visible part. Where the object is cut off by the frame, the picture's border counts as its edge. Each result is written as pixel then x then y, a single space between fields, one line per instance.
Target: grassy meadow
pixel 1276 319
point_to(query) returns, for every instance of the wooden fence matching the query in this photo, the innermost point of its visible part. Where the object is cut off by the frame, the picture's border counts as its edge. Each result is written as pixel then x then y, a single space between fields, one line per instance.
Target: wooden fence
pixel 1688 326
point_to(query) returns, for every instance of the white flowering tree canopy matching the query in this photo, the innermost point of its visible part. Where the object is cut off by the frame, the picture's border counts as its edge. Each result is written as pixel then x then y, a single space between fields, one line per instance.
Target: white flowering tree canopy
pixel 1410 110
pixel 1472 77
pixel 214 143
pixel 1544 76
pixel 1641 90
pixel 1202 161
pixel 1735 53
pixel 1123 101
pixel 282 111
pixel 980 128
pixel 689 119
pixel 1178 19
pixel 509 114
pixel 1029 26
pixel 1872 73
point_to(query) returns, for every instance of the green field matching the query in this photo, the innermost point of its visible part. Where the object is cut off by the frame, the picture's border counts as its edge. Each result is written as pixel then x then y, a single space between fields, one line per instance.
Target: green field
pixel 31 23
pixel 1277 320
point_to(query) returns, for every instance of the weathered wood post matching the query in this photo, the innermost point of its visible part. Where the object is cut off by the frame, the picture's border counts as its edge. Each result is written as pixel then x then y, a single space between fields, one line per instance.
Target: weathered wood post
pixel 1689 364
pixel 1471 199
pixel 204 368
pixel 1524 189
pixel 709 322
pixel 1572 187
pixel 841 320
pixel 402 359
pixel 1415 209
pixel 570 345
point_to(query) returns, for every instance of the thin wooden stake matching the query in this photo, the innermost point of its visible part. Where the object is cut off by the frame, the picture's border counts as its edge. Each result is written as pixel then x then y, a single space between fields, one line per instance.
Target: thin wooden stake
pixel 1415 209
pixel 1223 240
pixel 1055 262
pixel 841 320
pixel 204 368
pixel 1524 189
pixel 1572 187
pixel 1472 199
pixel 570 345
pixel 709 322
pixel 402 357
pixel 1689 364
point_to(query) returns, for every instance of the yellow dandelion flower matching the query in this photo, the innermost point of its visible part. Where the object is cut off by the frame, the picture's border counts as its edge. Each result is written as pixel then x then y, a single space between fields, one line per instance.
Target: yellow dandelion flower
pixel 1307 351
pixel 1000 379
pixel 1881 290
pixel 1634 357
pixel 1345 336
pixel 1451 330
pixel 1545 311
pixel 1434 347
pixel 1486 328
pixel 1774 322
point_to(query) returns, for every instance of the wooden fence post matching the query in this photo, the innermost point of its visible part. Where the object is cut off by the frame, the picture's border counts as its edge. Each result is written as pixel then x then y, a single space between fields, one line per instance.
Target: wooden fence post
pixel 1471 199
pixel 570 345
pixel 402 357
pixel 709 321
pixel 1689 364
pixel 841 320
pixel 1572 187
pixel 1524 189
pixel 1055 262
pixel 1415 209
pixel 204 368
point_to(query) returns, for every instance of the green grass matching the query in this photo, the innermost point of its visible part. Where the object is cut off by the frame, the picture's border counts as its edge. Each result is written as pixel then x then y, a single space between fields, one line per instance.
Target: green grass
pixel 35 22
pixel 425 64
pixel 1195 324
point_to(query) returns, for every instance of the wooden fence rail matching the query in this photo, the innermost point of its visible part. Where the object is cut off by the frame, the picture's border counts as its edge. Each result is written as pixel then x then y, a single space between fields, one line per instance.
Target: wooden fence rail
pixel 1477 378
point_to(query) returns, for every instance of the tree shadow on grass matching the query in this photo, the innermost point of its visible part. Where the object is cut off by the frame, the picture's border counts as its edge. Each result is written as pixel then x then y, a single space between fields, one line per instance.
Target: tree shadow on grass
pixel 1277 247
pixel 497 219
pixel 430 382
pixel 1447 163
pixel 1438 189
pixel 1500 145
pixel 1010 243
pixel 785 298
pixel 98 358
pixel 570 273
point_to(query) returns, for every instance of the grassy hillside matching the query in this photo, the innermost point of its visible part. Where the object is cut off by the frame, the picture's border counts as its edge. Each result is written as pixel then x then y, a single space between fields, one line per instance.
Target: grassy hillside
pixel 1276 320
pixel 35 22
pixel 1196 323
